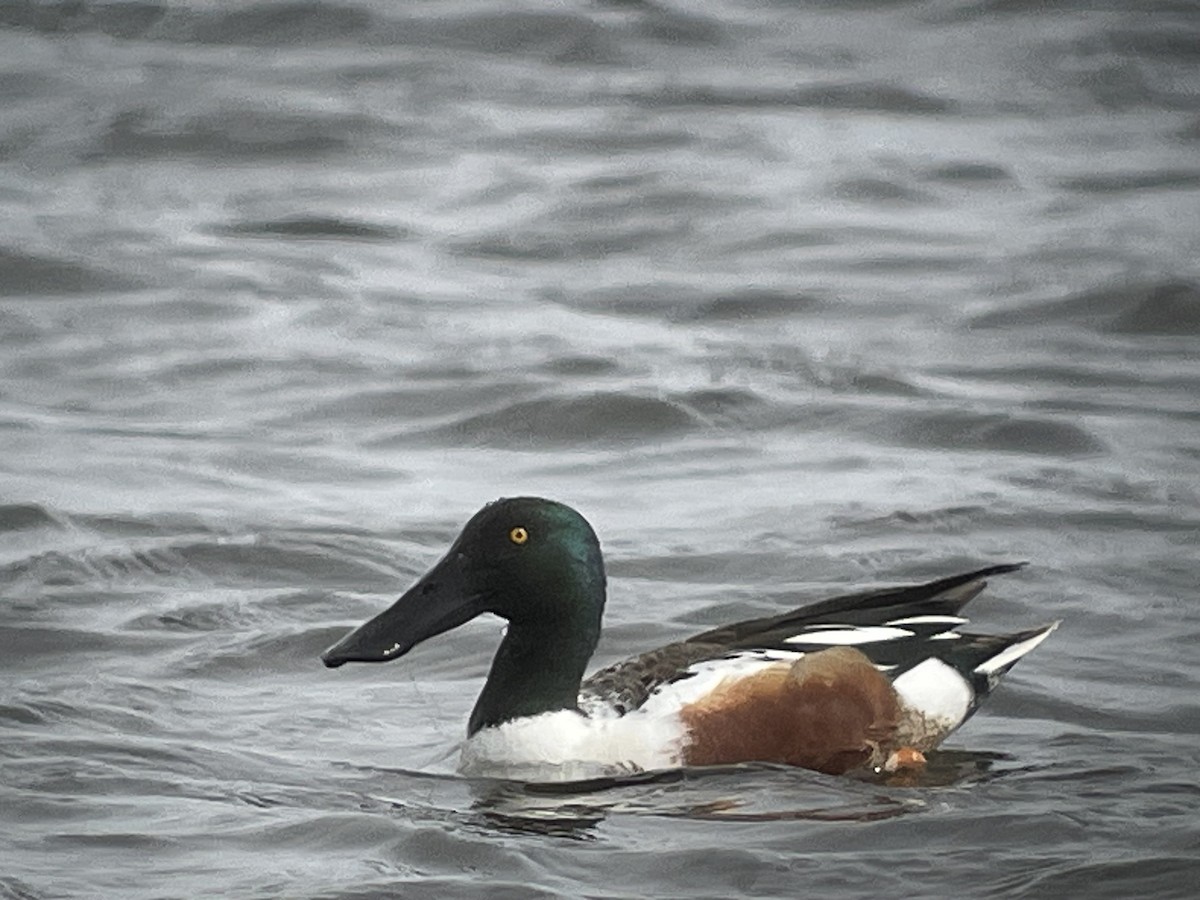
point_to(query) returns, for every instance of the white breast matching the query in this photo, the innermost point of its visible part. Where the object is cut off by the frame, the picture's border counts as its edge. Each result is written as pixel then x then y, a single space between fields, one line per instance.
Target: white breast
pixel 568 746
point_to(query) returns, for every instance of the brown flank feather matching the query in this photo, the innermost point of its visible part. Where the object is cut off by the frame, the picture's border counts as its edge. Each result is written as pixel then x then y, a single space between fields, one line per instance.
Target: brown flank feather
pixel 830 711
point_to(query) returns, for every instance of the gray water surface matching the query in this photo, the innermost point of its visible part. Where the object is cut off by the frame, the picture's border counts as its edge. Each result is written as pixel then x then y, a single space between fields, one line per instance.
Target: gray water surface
pixel 785 298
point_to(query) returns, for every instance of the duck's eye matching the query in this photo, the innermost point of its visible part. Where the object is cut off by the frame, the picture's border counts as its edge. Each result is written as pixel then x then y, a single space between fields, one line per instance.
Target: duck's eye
pixel 518 535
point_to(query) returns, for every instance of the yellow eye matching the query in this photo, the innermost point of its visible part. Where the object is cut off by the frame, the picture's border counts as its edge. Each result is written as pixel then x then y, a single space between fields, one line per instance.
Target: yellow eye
pixel 518 535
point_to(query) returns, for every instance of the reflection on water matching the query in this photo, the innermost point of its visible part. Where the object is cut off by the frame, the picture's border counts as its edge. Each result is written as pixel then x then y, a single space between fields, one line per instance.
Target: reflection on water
pixel 743 793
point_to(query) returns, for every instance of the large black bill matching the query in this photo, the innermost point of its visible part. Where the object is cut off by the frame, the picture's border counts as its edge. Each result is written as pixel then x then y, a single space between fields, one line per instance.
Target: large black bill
pixel 438 602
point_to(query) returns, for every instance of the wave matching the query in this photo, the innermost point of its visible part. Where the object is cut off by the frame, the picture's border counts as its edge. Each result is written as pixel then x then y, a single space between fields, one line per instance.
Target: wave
pixel 692 303
pixel 1160 307
pixel 24 274
pixel 234 131
pixel 603 418
pixel 854 95
pixel 312 227
pixel 963 430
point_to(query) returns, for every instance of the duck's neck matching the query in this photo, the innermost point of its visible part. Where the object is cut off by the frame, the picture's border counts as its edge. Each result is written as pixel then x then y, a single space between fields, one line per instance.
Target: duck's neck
pixel 538 668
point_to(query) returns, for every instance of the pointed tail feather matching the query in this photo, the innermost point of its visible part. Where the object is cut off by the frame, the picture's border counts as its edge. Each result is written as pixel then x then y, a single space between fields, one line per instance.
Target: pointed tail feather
pixel 995 666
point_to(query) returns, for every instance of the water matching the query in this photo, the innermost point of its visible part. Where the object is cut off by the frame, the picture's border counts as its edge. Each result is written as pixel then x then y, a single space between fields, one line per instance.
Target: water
pixel 784 298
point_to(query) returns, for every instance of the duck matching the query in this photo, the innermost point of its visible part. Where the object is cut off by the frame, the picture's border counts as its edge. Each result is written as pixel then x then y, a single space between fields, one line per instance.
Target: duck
pixel 864 681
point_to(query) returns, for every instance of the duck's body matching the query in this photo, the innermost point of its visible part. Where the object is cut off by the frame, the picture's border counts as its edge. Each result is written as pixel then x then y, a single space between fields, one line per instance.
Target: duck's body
pixel 843 684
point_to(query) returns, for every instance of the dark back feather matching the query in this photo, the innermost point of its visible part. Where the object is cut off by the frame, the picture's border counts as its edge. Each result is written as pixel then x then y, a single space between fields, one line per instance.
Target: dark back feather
pixel 944 597
pixel 626 685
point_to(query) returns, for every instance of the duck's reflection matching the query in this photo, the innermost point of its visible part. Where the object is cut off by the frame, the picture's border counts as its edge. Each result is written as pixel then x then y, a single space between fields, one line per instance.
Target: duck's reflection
pixel 743 793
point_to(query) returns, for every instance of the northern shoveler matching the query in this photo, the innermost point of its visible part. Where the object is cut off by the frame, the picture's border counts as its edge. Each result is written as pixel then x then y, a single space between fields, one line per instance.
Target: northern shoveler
pixel 861 680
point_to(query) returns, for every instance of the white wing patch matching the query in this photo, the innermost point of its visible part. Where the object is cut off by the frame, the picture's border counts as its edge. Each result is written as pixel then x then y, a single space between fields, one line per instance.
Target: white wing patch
pixel 948 621
pixel 850 636
pixel 702 678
